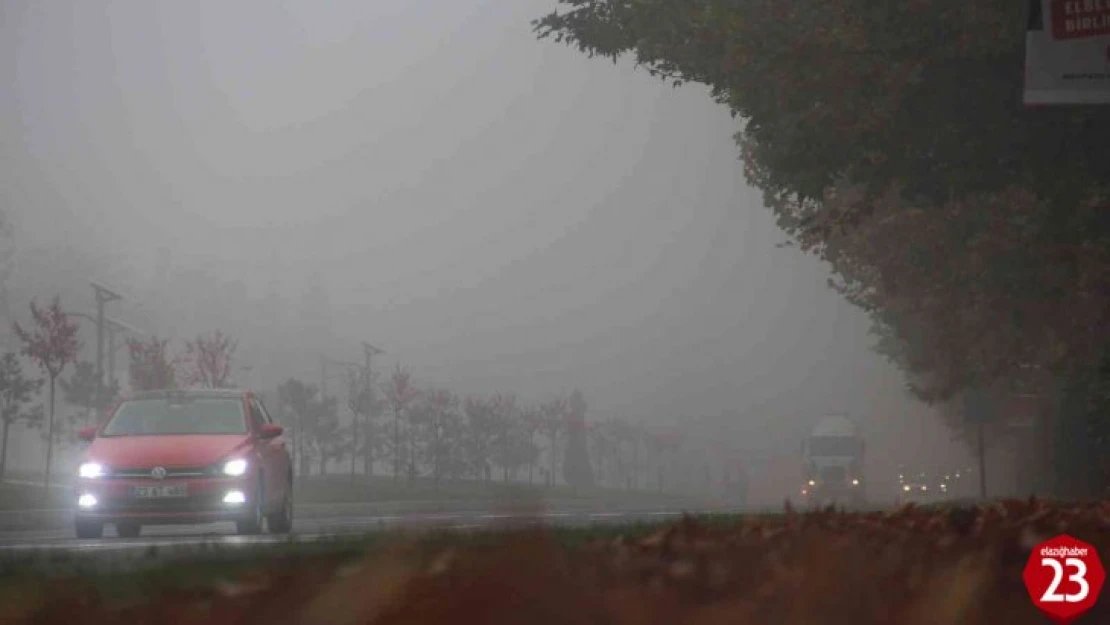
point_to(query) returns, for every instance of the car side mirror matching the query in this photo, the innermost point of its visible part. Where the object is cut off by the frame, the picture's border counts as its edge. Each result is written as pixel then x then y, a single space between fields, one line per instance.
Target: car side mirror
pixel 87 434
pixel 271 430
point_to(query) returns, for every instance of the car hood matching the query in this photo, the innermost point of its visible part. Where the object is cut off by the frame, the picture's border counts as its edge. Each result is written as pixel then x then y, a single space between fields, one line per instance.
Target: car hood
pixel 136 452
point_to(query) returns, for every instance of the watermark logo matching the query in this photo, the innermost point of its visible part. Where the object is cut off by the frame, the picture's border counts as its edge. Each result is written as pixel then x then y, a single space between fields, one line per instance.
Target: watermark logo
pixel 1064 577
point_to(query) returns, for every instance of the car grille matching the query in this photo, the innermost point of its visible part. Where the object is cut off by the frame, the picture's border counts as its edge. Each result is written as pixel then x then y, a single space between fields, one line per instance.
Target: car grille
pixel 175 472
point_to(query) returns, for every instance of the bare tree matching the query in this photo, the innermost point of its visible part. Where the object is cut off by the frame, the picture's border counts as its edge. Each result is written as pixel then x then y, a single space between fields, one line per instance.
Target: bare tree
pixel 553 419
pixel 207 360
pixel 481 432
pixel 7 255
pixel 16 392
pixel 52 343
pixel 400 393
pixel 296 397
pixel 150 368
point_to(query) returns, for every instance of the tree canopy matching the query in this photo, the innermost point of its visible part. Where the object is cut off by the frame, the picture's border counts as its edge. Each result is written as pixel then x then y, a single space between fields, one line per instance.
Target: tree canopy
pixel 891 140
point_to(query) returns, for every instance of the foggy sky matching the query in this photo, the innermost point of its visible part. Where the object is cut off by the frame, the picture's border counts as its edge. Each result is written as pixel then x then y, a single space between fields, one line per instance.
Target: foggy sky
pixel 500 214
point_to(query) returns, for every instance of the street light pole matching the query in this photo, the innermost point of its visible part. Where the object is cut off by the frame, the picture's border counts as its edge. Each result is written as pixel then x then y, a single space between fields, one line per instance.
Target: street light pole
pixel 112 327
pixel 103 296
pixel 369 351
pixel 115 327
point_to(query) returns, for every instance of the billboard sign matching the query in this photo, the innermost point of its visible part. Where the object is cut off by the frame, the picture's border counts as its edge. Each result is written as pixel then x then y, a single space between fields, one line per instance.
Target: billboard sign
pixel 1067 52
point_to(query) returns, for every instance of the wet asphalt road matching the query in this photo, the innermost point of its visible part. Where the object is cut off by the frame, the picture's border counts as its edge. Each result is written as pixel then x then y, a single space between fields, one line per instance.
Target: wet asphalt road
pixel 323 526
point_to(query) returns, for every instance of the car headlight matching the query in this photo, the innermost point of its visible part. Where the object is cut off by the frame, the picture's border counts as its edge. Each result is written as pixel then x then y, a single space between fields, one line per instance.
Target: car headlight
pixel 906 488
pixel 855 482
pixel 812 483
pixel 235 468
pixel 90 470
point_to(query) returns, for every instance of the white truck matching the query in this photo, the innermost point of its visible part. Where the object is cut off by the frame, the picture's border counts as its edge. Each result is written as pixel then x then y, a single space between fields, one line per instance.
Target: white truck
pixel 832 463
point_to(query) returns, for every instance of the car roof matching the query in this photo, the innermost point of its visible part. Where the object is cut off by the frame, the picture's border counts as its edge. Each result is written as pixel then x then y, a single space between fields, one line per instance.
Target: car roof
pixel 229 393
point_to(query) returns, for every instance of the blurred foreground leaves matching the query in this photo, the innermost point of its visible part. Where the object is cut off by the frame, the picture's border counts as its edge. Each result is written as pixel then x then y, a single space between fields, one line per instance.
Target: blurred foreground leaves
pixel 910 566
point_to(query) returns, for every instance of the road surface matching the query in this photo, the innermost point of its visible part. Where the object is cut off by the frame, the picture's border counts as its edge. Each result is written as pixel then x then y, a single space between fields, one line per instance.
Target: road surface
pixel 343 522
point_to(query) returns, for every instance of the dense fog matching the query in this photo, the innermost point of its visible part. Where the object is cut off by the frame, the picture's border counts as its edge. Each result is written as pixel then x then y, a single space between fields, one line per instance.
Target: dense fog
pixel 498 215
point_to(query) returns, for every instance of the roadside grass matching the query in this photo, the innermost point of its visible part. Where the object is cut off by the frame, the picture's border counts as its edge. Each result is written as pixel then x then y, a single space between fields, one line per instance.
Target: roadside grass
pixel 30 497
pixel 912 565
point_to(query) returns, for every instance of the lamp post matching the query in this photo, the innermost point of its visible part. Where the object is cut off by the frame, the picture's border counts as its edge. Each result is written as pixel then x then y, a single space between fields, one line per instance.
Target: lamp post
pixel 103 296
pixel 114 327
pixel 111 327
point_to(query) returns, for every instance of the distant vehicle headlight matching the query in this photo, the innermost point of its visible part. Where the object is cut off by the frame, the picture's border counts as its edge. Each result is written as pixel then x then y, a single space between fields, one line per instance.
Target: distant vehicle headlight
pixel 855 482
pixel 90 470
pixel 906 488
pixel 812 483
pixel 235 468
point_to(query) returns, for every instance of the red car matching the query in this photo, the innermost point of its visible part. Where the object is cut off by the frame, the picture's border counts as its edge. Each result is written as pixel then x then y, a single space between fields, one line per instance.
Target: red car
pixel 185 457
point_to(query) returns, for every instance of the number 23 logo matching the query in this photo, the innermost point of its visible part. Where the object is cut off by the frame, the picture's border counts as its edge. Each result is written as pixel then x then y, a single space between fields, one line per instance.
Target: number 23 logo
pixel 1079 577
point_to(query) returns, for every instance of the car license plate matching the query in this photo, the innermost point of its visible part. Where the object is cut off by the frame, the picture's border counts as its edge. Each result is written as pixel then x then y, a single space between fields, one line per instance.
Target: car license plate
pixel 159 492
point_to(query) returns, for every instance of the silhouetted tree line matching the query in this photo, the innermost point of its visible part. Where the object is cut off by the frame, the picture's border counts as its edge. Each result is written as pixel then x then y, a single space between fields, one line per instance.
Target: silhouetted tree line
pixel 433 433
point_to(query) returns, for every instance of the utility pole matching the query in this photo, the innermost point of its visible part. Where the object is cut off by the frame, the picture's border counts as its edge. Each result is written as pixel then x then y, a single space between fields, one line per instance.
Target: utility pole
pixel 103 296
pixel 112 327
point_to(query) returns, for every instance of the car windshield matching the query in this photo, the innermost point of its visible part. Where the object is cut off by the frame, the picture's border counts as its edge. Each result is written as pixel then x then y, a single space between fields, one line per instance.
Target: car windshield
pixel 833 446
pixel 161 416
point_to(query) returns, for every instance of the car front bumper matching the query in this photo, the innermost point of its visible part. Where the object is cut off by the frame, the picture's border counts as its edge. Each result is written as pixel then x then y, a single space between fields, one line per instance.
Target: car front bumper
pixel 203 502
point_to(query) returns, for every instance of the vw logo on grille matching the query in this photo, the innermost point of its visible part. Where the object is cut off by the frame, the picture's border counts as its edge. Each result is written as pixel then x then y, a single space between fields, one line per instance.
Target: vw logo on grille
pixel 158 473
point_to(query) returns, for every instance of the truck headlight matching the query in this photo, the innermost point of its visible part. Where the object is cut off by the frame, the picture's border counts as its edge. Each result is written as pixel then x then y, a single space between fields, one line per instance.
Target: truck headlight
pixel 906 488
pixel 235 468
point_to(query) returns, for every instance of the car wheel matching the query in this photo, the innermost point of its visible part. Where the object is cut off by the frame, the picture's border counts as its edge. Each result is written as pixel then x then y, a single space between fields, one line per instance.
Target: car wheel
pixel 89 529
pixel 281 521
pixel 128 530
pixel 253 524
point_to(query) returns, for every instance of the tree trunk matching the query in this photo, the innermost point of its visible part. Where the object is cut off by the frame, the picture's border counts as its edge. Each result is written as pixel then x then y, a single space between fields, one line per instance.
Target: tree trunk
pixel 1077 467
pixel 437 451
pixel 354 444
pixel 635 465
pixel 552 437
pixel 412 452
pixel 368 452
pixel 301 464
pixel 4 447
pixel 49 439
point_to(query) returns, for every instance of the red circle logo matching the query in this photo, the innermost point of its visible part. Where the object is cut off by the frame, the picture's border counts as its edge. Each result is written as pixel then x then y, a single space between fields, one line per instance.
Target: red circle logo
pixel 1064 577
